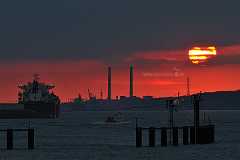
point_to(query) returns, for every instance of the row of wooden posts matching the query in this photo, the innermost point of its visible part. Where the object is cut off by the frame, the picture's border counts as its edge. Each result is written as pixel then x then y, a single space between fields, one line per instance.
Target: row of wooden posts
pixel 205 135
pixel 195 134
pixel 10 137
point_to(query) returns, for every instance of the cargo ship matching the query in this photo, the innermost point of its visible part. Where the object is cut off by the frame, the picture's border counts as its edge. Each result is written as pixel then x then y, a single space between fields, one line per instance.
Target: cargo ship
pixel 38 98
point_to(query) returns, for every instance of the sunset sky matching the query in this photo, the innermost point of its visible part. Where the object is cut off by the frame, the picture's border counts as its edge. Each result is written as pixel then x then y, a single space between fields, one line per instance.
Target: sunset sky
pixel 70 43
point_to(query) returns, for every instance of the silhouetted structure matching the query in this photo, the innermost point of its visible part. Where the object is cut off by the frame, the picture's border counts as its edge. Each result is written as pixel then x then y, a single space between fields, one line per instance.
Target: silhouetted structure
pixel 188 86
pixel 10 137
pixel 36 97
pixel 35 101
pixel 138 137
pixel 206 135
pixel 131 81
pixel 196 101
pixel 164 137
pixel 170 106
pixel 185 135
pixel 151 137
pixel 109 84
pixel 203 134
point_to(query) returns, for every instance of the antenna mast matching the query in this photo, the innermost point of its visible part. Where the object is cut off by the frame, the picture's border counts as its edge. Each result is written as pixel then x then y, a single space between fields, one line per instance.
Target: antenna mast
pixel 188 86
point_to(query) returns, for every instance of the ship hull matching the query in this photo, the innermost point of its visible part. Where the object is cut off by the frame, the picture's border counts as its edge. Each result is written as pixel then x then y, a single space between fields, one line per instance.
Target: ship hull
pixel 29 111
pixel 43 109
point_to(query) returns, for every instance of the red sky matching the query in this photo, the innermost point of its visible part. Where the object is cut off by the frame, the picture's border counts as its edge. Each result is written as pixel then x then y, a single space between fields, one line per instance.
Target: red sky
pixel 157 73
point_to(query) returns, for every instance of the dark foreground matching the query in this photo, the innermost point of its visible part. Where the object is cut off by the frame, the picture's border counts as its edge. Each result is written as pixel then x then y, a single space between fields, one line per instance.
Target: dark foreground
pixel 82 135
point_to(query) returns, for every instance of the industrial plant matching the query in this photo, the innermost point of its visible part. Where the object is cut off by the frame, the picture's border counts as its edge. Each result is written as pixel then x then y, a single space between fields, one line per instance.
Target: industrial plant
pixel 120 102
pixel 213 100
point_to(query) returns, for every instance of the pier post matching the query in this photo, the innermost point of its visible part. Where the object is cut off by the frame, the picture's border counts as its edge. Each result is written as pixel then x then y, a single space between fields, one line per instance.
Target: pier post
pixel 164 137
pixel 9 139
pixel 203 135
pixel 185 135
pixel 151 137
pixel 30 138
pixel 175 136
pixel 138 137
pixel 192 135
pixel 196 102
pixel 212 129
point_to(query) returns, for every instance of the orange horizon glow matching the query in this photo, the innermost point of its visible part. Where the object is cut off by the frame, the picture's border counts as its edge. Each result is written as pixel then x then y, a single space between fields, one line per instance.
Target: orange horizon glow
pixel 199 55
pixel 70 84
pixel 161 73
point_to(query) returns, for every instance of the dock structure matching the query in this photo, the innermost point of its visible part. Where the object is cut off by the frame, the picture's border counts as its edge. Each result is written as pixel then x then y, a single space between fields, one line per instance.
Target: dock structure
pixel 196 134
pixel 206 135
pixel 10 137
pixel 196 101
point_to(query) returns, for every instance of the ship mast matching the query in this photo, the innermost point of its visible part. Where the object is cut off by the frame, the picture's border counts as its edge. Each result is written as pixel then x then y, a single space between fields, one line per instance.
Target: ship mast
pixel 36 77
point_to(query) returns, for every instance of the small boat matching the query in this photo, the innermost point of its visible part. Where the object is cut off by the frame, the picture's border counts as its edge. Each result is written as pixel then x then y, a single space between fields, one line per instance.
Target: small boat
pixel 115 119
pixel 110 119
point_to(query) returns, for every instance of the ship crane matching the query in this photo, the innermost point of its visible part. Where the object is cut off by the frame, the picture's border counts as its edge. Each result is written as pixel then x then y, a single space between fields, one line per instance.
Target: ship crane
pixel 101 94
pixel 91 95
pixel 79 97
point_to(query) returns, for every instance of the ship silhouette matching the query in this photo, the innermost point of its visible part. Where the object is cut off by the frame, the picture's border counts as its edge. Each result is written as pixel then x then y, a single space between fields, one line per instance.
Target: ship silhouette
pixel 37 102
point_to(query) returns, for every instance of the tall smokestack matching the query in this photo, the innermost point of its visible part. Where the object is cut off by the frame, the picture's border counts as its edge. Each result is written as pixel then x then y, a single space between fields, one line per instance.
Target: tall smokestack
pixel 131 81
pixel 109 83
pixel 188 86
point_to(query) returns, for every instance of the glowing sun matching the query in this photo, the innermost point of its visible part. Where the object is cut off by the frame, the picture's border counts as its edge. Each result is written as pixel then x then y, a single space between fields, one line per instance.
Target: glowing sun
pixel 199 55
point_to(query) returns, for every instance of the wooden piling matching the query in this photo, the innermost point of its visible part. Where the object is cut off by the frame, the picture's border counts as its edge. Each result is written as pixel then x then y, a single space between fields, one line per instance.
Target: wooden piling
pixel 175 136
pixel 185 135
pixel 164 137
pixel 9 139
pixel 138 137
pixel 212 129
pixel 196 102
pixel 192 135
pixel 30 138
pixel 151 137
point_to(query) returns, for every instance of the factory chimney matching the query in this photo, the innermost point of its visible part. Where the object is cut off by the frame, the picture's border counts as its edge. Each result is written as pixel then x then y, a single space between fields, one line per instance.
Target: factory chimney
pixel 109 83
pixel 188 86
pixel 131 81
